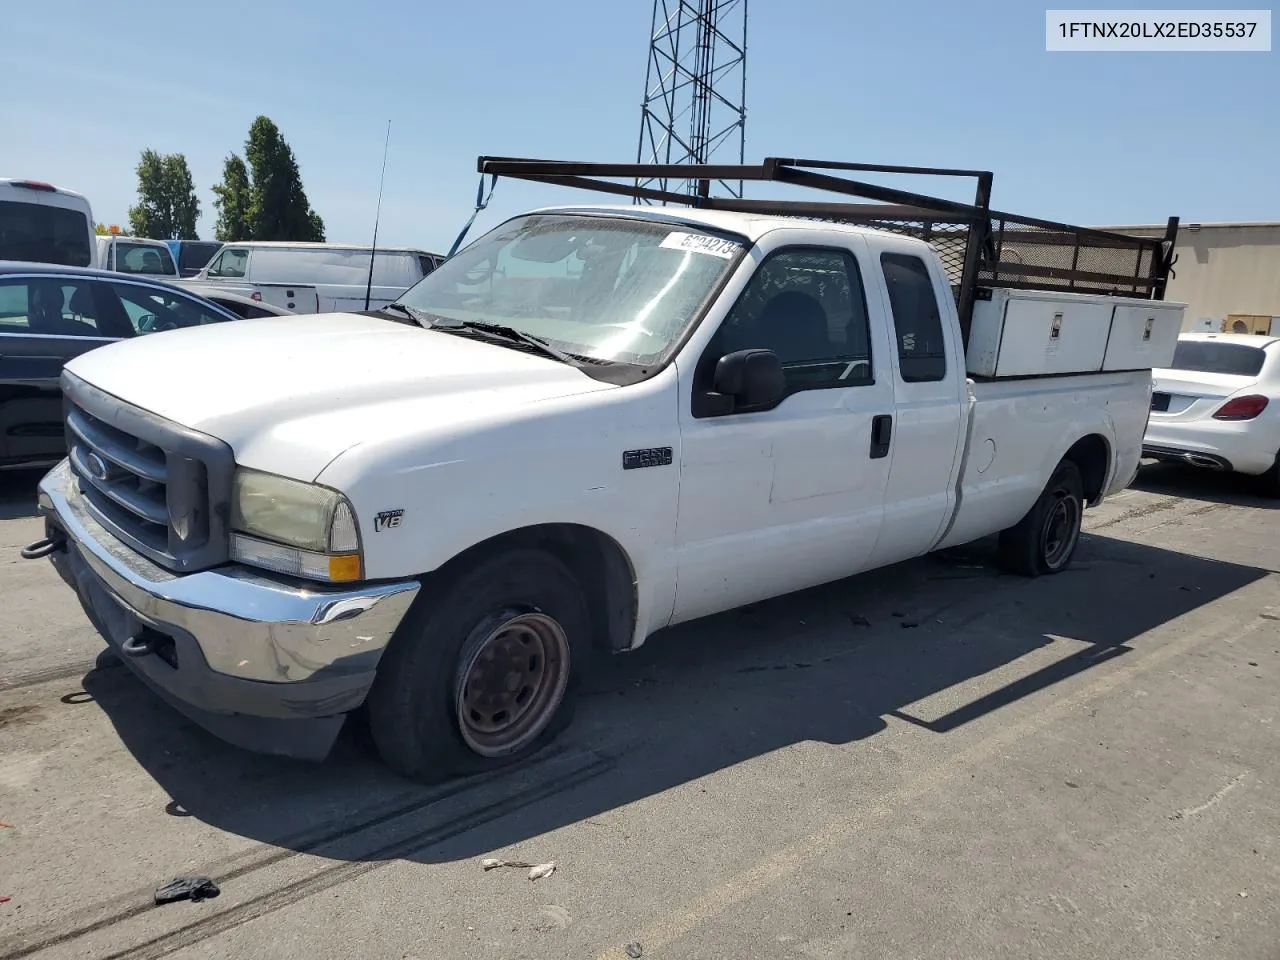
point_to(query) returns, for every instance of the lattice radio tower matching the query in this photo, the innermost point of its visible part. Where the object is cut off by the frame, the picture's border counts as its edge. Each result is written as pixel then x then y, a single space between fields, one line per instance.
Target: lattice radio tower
pixel 695 104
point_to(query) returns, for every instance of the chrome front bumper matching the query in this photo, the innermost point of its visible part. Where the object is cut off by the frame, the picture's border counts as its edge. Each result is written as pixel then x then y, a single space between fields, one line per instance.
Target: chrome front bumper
pixel 229 642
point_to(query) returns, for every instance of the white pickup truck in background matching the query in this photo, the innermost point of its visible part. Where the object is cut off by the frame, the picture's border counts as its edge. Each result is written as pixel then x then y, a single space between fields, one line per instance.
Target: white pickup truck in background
pixel 590 424
pixel 136 255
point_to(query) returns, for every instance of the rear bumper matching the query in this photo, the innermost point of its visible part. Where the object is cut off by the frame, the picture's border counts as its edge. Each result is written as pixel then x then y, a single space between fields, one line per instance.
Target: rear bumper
pixel 1196 458
pixel 1236 446
pixel 265 664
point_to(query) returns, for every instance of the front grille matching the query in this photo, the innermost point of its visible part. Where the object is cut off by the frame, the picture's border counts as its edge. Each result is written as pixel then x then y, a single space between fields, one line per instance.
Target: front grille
pixel 158 486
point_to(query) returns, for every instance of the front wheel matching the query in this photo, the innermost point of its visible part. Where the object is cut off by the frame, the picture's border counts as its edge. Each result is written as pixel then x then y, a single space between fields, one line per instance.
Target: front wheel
pixel 480 674
pixel 1044 541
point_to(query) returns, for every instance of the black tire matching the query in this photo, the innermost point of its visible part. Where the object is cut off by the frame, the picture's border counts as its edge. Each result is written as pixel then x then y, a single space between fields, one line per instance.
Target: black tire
pixel 500 610
pixel 1271 480
pixel 1044 541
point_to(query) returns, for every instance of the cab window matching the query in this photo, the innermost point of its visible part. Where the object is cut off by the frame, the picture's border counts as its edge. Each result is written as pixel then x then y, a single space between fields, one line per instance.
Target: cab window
pixel 144 258
pixel 230 263
pixel 807 305
pixel 917 322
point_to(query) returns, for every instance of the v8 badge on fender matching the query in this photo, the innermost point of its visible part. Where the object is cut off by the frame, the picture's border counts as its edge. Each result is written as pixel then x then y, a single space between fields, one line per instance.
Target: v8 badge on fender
pixel 387 519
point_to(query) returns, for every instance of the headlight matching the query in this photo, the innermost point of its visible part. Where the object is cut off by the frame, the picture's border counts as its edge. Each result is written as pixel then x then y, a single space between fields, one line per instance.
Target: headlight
pixel 293 527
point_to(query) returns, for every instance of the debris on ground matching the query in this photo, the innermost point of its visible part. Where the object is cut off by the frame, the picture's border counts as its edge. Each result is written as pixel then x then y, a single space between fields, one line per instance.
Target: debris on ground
pixel 5 899
pixel 6 826
pixel 537 871
pixel 634 950
pixel 194 889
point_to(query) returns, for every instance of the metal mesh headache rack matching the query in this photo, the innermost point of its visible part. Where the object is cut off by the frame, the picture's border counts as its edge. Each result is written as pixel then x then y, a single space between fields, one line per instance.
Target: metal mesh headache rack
pixel 980 248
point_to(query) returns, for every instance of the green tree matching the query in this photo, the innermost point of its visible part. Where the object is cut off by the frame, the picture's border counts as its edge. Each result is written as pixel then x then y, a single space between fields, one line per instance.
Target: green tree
pixel 261 197
pixel 234 201
pixel 167 206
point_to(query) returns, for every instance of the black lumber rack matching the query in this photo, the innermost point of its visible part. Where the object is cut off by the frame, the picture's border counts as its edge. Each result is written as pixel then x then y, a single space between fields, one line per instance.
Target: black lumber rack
pixel 980 248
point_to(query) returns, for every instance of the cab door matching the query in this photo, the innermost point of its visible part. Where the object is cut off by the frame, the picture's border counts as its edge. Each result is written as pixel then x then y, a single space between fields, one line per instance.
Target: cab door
pixel 776 500
pixel 929 393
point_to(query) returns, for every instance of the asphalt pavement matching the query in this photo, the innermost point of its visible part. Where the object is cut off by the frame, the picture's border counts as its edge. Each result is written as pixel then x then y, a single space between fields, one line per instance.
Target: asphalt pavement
pixel 930 761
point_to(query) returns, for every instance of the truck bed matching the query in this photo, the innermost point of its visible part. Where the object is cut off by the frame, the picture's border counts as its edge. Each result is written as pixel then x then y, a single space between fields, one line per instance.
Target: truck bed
pixel 1005 464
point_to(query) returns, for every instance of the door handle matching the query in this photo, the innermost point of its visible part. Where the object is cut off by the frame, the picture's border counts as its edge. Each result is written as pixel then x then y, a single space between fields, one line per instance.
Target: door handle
pixel 881 434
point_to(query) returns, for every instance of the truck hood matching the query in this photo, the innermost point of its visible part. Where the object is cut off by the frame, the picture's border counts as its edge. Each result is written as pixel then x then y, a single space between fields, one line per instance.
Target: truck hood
pixel 291 393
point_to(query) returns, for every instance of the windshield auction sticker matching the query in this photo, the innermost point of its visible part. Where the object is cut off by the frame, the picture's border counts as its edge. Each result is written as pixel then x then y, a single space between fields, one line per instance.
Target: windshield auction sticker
pixel 698 243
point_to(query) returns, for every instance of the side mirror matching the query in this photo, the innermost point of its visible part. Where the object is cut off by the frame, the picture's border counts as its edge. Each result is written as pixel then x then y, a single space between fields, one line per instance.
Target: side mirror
pixel 752 378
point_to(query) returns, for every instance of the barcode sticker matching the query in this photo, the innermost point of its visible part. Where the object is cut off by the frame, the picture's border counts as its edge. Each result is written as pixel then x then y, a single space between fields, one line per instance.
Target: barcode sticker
pixel 699 243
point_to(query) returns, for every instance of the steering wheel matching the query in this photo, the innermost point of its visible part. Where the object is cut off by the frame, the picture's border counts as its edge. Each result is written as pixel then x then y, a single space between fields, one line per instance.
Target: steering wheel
pixel 147 323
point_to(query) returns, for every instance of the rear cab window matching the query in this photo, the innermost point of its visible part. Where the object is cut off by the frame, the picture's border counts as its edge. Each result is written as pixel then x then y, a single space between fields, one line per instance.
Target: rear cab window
pixel 1210 356
pixel 917 321
pixel 144 258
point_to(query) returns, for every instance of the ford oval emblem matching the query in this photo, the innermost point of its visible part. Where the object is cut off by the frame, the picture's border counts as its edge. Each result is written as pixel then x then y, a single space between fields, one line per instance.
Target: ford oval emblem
pixel 97 467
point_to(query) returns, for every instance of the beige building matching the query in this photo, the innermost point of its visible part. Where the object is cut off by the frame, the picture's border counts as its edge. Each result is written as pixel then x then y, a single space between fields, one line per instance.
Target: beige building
pixel 1224 270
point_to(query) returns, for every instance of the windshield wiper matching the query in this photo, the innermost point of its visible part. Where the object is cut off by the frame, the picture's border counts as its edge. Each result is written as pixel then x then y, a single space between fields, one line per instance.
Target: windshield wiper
pixel 511 333
pixel 417 316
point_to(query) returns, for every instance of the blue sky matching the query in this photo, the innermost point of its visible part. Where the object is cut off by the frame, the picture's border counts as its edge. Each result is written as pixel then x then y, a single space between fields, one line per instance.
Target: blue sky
pixel 1087 138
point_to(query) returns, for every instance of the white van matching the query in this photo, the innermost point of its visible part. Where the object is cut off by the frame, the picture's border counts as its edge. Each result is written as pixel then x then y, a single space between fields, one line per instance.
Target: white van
pixel 317 277
pixel 41 223
pixel 151 258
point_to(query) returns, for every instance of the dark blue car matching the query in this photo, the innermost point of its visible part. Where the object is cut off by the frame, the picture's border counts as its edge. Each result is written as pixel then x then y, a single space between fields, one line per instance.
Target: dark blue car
pixel 50 314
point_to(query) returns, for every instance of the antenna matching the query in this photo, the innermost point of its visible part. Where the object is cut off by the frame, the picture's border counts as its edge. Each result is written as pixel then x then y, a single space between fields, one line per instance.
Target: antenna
pixel 373 249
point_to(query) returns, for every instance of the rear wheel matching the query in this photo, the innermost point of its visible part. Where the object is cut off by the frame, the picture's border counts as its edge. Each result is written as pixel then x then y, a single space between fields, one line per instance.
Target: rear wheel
pixel 1044 541
pixel 480 674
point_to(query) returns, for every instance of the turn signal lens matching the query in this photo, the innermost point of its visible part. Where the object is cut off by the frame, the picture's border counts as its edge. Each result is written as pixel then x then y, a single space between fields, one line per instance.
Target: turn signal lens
pixel 1242 408
pixel 345 568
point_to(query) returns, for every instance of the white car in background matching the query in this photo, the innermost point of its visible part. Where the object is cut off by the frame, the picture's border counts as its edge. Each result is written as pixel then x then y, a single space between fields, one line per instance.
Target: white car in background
pixel 1218 406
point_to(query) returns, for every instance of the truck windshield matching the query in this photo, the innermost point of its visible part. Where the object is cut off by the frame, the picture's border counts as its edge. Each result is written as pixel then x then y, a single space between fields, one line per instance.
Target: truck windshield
pixel 611 289
pixel 40 233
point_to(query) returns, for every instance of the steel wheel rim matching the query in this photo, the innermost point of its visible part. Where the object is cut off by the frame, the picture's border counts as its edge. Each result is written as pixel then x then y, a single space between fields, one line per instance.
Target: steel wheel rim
pixel 1061 528
pixel 510 687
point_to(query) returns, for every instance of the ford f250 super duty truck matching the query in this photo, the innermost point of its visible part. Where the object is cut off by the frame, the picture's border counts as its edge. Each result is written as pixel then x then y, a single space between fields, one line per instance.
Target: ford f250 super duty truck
pixel 587 425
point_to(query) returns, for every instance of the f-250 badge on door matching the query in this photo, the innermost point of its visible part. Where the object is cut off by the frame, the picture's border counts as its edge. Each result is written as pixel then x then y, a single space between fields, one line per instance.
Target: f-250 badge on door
pixel 387 519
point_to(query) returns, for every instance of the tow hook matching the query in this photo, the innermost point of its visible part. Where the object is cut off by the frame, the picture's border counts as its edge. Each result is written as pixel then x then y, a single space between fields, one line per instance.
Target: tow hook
pixel 141 644
pixel 43 548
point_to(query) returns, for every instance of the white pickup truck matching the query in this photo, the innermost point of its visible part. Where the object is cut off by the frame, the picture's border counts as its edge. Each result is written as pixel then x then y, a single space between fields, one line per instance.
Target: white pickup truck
pixel 589 424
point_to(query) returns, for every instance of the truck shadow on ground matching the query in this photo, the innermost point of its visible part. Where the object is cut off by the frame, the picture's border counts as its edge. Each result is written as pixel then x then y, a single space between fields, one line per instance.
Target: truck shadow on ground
pixel 826 665
pixel 1192 483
